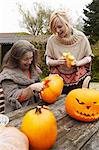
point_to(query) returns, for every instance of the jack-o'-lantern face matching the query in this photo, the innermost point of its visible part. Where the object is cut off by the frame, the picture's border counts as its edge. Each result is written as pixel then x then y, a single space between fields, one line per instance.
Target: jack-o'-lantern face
pixel 83 104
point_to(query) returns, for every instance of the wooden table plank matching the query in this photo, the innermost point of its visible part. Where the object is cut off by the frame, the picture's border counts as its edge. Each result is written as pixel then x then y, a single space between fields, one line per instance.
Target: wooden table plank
pixel 72 135
pixel 93 143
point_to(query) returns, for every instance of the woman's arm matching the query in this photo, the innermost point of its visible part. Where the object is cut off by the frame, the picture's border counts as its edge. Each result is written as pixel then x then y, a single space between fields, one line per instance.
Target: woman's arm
pixel 83 61
pixel 28 92
pixel 12 90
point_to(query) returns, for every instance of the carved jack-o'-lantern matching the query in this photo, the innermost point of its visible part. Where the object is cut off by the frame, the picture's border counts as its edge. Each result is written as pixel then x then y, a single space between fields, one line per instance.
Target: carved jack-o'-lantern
pixel 53 88
pixel 83 104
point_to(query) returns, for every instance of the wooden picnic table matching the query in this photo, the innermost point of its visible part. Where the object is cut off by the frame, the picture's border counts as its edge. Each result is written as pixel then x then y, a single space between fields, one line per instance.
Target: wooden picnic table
pixel 72 134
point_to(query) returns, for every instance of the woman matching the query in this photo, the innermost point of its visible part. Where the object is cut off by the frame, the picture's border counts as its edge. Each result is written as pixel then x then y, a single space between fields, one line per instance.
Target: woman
pixel 20 75
pixel 65 39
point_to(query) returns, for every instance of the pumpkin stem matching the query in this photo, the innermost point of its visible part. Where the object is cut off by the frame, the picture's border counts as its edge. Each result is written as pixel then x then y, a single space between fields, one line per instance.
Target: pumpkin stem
pixel 38 110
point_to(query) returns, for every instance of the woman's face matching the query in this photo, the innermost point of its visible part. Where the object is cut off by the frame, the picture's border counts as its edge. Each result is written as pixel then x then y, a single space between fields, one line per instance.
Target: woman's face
pixel 61 29
pixel 26 61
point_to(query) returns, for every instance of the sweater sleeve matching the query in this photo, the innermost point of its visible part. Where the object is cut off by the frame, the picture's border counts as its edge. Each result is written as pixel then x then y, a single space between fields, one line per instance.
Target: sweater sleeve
pixel 12 93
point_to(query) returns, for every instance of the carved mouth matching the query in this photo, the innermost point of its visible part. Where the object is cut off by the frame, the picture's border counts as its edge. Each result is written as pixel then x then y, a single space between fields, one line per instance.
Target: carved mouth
pixel 96 115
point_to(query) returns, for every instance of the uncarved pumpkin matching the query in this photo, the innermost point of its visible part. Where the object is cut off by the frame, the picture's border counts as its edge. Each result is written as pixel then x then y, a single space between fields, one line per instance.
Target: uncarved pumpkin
pixel 53 88
pixel 12 138
pixel 83 104
pixel 40 126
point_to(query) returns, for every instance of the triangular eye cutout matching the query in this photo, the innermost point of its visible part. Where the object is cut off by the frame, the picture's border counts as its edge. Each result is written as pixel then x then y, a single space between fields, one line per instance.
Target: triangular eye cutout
pixel 79 101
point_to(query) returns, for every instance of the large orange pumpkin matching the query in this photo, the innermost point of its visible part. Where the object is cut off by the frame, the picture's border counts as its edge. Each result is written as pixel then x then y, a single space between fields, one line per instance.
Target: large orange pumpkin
pixel 40 126
pixel 83 104
pixel 53 88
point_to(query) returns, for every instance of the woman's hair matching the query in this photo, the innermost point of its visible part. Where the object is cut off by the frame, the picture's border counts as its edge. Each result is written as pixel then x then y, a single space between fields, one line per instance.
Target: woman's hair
pixel 14 55
pixel 58 15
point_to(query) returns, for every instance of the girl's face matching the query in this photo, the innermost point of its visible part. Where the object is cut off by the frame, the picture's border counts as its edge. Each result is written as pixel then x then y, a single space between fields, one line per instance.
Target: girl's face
pixel 61 29
pixel 26 61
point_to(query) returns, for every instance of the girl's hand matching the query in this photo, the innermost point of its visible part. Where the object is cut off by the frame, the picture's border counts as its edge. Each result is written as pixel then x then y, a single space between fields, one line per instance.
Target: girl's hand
pixel 37 86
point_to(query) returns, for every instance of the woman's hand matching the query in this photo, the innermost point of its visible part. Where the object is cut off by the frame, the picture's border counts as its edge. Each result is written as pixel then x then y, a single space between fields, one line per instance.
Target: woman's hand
pixel 59 62
pixel 37 86
pixel 52 62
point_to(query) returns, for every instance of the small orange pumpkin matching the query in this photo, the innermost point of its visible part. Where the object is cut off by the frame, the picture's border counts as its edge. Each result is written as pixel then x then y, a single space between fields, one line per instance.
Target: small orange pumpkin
pixel 69 59
pixel 39 125
pixel 53 88
pixel 83 104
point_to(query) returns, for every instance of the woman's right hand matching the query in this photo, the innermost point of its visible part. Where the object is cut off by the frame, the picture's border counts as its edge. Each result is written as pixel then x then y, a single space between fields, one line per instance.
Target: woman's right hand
pixel 59 62
pixel 52 62
pixel 37 86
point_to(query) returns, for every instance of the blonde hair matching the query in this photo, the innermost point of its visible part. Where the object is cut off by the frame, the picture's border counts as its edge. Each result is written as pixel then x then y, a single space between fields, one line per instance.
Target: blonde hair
pixel 58 15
